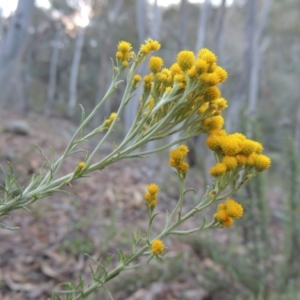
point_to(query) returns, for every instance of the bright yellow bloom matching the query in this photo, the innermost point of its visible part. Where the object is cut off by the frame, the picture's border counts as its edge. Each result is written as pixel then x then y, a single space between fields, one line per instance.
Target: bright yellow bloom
pixel 109 121
pixel 221 73
pixel 155 64
pixel 261 162
pixel 233 209
pixel 201 66
pixel 228 222
pixel 125 63
pixel 183 167
pixel 137 78
pixel 207 55
pixel 175 69
pixel 157 247
pixel 81 165
pixel 213 123
pixel 230 162
pixel 119 55
pixel 230 145
pixel 192 72
pixel 218 170
pixel 124 47
pixel 221 215
pixel 183 149
pixel 248 147
pixel 185 59
pixel 213 142
pixel 241 159
pixel 152 204
pixel 149 46
pixel 212 93
pixel 203 108
pixel 153 188
pixel 209 79
pixel 221 103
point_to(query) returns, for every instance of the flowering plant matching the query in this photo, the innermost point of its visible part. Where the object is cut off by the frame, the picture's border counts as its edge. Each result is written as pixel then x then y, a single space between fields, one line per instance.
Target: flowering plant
pixel 181 99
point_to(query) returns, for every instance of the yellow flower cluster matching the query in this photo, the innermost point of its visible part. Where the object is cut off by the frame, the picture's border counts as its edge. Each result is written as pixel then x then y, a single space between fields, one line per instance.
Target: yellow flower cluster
pixel 81 165
pixel 149 46
pixel 109 121
pixel 157 247
pixel 177 157
pixel 124 53
pixel 155 64
pixel 227 212
pixel 151 195
pixel 236 152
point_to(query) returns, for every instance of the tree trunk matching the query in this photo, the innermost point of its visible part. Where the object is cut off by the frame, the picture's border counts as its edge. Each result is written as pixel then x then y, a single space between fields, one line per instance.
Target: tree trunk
pixel 74 72
pixel 219 31
pixel 183 25
pixel 56 46
pixel 14 44
pixel 132 107
pixel 255 68
pixel 202 25
pixel 243 87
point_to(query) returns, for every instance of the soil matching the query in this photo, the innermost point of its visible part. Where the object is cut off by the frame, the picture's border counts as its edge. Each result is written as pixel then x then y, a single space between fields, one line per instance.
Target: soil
pixel 96 216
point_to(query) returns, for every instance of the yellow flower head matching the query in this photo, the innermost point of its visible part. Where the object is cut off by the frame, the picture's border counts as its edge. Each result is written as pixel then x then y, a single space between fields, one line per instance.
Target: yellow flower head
pixel 149 46
pixel 201 66
pixel 230 162
pixel 241 159
pixel 183 149
pixel 109 121
pixel 192 72
pixel 221 215
pixel 203 108
pixel 137 78
pixel 233 209
pixel 185 59
pixel 248 147
pixel 155 64
pixel 221 73
pixel 218 170
pixel 212 93
pixel 213 142
pixel 261 162
pixel 183 167
pixel 221 103
pixel 157 247
pixel 175 69
pixel 207 55
pixel 153 188
pixel 213 123
pixel 228 222
pixel 230 145
pixel 81 165
pixel 176 154
pixel 209 79
pixel 124 47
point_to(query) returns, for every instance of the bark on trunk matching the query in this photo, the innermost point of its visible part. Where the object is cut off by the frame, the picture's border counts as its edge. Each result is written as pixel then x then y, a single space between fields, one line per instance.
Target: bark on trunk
pixel 74 72
pixel 14 44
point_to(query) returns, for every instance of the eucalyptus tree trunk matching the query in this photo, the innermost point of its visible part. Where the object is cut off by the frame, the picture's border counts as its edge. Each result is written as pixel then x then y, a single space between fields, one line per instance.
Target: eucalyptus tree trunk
pixel 155 25
pixel 104 70
pixel 202 25
pixel 182 37
pixel 13 45
pixel 219 31
pixel 74 72
pixel 256 63
pixel 141 17
pixel 56 45
pixel 239 99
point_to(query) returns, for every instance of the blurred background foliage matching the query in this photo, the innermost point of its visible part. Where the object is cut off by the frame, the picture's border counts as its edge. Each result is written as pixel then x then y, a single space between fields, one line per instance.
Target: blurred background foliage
pixel 62 58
